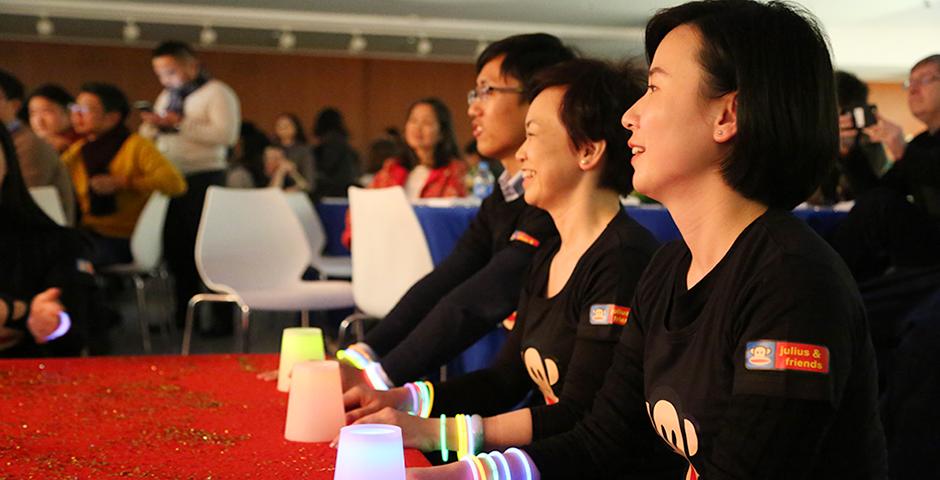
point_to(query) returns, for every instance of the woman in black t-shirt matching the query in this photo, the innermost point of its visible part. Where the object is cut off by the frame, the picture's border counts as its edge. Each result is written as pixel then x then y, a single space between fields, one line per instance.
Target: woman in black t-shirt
pixel 579 287
pixel 747 348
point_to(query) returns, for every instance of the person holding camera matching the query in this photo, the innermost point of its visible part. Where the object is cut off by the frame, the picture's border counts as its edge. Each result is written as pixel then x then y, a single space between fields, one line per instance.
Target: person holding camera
pixel 885 231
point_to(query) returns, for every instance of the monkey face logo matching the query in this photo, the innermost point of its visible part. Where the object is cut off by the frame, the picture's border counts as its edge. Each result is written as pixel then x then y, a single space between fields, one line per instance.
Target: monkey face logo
pixel 677 431
pixel 544 373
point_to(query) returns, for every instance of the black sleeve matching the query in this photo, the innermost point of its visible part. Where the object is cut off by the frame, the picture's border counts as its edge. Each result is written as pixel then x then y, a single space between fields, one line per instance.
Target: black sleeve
pixel 615 439
pixel 761 436
pixel 491 391
pixel 471 253
pixel 462 317
pixel 605 296
pixel 73 274
pixel 857 167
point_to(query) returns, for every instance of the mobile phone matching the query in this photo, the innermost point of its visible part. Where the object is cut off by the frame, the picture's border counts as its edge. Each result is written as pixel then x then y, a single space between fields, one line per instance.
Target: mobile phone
pixel 143 106
pixel 863 116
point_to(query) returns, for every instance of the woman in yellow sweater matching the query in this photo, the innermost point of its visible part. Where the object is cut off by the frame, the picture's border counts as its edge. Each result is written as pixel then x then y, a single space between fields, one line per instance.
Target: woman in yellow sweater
pixel 114 171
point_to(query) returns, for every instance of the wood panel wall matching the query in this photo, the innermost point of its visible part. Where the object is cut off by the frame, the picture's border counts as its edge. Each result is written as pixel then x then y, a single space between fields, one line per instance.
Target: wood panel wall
pixel 372 93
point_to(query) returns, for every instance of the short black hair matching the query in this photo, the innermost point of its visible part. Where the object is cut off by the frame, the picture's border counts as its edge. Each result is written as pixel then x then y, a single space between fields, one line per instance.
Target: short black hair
pixel 525 55
pixel 175 49
pixel 111 97
pixel 329 120
pixel 596 96
pixel 445 150
pixel 850 91
pixel 775 56
pixel 54 93
pixel 12 87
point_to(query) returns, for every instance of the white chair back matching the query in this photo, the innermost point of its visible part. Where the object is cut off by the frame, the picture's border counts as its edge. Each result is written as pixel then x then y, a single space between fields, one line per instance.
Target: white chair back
pixel 389 250
pixel 147 239
pixel 249 239
pixel 48 200
pixel 316 235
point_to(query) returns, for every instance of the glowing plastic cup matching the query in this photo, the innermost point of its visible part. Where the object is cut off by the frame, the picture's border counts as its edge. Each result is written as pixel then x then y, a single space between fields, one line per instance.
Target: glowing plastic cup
pixel 297 345
pixel 315 405
pixel 369 452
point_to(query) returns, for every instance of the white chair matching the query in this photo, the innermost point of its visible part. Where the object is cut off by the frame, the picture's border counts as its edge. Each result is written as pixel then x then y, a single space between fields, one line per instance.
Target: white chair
pixel 389 252
pixel 147 251
pixel 328 266
pixel 48 200
pixel 251 250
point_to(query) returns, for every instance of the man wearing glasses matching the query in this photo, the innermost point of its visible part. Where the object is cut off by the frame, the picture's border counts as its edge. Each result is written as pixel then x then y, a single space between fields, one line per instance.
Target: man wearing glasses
pixel 478 285
pixel 897 225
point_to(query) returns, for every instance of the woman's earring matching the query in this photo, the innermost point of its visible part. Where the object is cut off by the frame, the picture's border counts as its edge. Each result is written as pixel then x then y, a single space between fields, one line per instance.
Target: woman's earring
pixel 583 162
pixel 720 132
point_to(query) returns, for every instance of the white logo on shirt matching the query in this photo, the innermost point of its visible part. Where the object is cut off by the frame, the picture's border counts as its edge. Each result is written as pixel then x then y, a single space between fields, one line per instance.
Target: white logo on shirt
pixel 678 432
pixel 544 373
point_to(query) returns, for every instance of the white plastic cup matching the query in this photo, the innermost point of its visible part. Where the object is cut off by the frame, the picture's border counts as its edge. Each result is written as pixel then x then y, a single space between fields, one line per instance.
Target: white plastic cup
pixel 298 344
pixel 369 452
pixel 315 406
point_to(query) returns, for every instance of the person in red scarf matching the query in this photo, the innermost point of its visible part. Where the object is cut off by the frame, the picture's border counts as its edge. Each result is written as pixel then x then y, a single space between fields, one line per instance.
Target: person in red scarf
pixel 430 166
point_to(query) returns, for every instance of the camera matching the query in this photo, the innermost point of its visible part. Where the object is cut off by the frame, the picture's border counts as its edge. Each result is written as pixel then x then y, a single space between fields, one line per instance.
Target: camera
pixel 862 116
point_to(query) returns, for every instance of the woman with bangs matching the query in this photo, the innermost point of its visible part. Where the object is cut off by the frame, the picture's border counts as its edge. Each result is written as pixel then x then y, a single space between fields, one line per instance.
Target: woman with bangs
pixel 575 301
pixel 747 348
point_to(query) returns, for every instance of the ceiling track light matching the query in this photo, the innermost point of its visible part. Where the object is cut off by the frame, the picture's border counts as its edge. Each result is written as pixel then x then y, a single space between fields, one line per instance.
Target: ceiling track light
pixel 357 43
pixel 44 26
pixel 424 47
pixel 208 35
pixel 286 40
pixel 131 31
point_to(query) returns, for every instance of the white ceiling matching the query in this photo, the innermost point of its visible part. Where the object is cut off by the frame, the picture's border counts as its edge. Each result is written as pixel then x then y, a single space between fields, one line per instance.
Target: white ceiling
pixel 878 39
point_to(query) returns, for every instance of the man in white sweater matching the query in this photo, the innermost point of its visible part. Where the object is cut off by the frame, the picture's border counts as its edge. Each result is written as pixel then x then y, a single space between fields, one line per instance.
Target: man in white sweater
pixel 194 121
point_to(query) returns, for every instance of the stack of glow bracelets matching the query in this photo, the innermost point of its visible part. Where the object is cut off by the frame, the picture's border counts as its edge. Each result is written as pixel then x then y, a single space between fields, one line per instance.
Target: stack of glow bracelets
pixel 362 357
pixel 422 398
pixel 496 465
pixel 469 436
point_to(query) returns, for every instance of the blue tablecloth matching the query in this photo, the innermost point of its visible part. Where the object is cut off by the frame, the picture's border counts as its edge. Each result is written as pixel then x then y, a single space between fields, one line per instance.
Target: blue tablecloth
pixel 444 225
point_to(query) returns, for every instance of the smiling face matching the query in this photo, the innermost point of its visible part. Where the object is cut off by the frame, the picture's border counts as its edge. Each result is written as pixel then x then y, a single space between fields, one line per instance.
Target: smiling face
pixel 498 120
pixel 547 158
pixel 47 118
pixel 673 123
pixel 422 129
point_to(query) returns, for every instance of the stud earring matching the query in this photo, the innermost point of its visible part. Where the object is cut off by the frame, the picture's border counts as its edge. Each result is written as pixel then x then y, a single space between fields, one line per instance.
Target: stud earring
pixel 583 162
pixel 720 132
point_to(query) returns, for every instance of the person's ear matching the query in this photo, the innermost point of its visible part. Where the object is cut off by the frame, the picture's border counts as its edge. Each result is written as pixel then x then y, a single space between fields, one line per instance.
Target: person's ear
pixel 726 121
pixel 591 154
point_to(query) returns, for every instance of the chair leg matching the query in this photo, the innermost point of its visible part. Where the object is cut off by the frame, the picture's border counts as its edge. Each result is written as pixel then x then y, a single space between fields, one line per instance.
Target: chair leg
pixel 141 317
pixel 304 318
pixel 206 297
pixel 243 339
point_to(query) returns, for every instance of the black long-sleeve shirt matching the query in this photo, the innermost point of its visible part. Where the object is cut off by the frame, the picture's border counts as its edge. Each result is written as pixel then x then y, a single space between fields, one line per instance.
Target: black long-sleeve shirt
pixel 560 346
pixel 917 173
pixel 442 314
pixel 33 260
pixel 764 369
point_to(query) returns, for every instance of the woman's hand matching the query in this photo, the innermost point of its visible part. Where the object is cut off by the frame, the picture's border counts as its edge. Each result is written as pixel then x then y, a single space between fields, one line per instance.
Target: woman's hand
pixel 44 314
pixel 362 400
pixel 416 432
pixel 451 471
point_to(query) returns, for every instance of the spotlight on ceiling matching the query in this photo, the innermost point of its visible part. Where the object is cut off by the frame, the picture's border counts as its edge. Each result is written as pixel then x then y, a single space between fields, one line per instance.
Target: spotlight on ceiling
pixel 357 43
pixel 424 47
pixel 208 35
pixel 131 31
pixel 44 26
pixel 286 40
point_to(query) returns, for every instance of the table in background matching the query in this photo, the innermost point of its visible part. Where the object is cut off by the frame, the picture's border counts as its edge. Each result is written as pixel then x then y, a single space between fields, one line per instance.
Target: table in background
pixel 202 416
pixel 443 226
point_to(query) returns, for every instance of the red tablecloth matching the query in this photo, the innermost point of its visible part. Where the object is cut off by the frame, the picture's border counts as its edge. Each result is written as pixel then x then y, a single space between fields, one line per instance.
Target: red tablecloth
pixel 198 417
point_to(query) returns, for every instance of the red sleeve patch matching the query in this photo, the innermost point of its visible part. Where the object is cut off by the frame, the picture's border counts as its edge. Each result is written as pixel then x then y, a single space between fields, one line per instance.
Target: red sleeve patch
pixel 523 237
pixel 609 314
pixel 778 355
